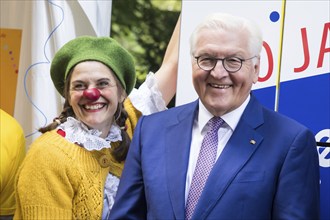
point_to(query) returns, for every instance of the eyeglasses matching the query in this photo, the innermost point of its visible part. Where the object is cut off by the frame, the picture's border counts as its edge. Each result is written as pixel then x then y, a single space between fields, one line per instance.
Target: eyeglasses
pixel 231 64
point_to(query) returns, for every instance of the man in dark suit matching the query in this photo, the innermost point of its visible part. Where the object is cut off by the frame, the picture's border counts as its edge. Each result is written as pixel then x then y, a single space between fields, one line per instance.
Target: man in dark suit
pixel 264 166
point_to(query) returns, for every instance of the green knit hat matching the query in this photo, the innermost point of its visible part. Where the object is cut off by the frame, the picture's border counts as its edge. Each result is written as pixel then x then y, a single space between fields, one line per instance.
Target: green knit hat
pixel 87 48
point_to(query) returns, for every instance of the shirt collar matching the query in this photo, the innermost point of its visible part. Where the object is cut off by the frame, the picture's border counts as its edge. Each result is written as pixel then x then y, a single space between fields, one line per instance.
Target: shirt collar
pixel 231 118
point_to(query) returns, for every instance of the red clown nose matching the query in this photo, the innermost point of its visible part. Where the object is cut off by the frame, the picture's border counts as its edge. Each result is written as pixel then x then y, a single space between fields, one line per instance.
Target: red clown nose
pixel 92 94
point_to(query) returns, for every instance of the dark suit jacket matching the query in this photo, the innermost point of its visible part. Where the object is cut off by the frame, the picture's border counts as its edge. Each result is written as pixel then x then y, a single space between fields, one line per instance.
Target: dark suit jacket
pixel 268 170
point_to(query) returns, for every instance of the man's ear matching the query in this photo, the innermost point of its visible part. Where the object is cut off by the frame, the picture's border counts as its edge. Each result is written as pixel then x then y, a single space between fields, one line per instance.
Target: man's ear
pixel 256 70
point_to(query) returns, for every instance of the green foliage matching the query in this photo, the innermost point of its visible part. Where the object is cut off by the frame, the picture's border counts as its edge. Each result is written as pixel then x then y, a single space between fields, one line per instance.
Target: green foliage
pixel 144 28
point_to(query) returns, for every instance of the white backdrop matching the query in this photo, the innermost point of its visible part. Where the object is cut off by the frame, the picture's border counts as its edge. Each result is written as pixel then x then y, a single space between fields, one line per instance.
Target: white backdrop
pixel 193 12
pixel 298 14
pixel 46 26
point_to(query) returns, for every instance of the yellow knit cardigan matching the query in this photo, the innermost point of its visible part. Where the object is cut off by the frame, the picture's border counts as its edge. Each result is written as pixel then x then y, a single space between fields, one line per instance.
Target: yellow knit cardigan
pixel 60 180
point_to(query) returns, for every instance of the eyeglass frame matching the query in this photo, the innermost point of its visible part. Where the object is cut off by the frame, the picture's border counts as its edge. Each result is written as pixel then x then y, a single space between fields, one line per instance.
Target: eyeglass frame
pixel 223 62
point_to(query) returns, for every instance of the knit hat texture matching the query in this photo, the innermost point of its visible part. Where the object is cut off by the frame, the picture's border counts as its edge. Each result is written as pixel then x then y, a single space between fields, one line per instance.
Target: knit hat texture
pixel 88 48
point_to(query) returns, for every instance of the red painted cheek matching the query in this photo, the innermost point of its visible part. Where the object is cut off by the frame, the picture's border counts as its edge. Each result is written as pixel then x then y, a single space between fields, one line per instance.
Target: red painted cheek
pixel 92 94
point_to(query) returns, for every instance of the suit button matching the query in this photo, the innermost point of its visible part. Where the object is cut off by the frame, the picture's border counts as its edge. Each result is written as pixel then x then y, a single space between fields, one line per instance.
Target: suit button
pixel 104 161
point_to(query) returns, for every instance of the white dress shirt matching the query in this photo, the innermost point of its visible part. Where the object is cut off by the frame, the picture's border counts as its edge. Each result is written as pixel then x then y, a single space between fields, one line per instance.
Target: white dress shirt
pixel 200 129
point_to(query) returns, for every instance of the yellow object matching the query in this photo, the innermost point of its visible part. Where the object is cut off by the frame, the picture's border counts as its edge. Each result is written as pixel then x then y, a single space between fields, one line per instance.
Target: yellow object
pixel 10 45
pixel 12 153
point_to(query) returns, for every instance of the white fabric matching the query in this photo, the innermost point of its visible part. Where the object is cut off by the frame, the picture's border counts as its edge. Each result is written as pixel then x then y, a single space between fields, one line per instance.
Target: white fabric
pixel 47 25
pixel 78 133
pixel 199 130
pixel 110 192
pixel 148 99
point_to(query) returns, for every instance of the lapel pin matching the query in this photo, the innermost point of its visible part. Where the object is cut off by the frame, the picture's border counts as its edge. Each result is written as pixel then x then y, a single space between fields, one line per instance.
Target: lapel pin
pixel 252 142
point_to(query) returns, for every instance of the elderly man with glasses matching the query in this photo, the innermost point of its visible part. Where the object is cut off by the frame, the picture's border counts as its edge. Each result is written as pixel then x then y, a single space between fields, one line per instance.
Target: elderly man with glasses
pixel 223 156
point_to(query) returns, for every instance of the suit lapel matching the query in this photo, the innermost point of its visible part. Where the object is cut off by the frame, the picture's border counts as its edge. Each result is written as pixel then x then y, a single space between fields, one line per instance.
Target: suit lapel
pixel 239 149
pixel 178 138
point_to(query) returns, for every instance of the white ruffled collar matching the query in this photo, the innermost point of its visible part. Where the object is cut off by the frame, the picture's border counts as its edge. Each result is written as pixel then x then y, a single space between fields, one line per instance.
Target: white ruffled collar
pixel 78 133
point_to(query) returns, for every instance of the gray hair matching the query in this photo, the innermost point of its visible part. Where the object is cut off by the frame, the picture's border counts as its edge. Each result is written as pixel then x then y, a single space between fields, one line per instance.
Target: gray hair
pixel 222 21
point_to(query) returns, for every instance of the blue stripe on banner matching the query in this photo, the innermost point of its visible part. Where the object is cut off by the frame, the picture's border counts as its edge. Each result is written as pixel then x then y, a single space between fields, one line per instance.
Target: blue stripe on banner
pixel 266 96
pixel 307 101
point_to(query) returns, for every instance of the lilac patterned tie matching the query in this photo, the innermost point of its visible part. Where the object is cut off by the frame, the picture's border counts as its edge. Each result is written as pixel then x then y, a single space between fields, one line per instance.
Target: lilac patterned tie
pixel 205 162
